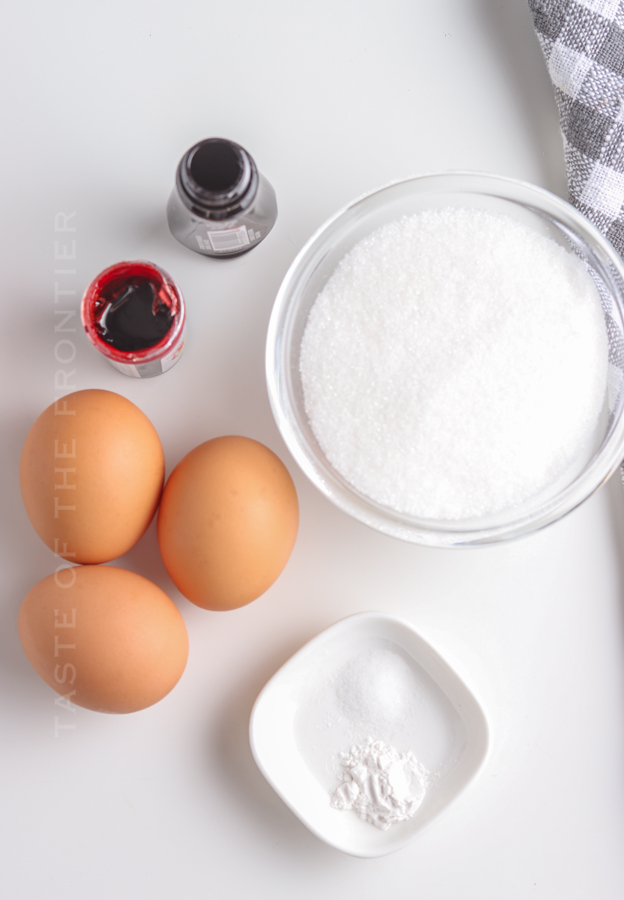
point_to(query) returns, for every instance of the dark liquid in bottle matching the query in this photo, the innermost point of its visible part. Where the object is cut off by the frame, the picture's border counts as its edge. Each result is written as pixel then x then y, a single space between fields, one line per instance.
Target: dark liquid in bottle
pixel 134 312
pixel 216 166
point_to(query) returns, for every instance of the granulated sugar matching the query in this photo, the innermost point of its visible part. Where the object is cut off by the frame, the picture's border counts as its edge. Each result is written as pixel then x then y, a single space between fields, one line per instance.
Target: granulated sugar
pixel 454 364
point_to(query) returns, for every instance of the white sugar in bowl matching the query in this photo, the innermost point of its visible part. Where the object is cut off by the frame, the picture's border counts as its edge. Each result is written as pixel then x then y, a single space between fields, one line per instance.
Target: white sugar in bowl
pixel 422 381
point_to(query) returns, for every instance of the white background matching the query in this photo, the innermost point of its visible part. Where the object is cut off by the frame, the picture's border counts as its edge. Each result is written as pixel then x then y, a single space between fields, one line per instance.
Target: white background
pixel 332 98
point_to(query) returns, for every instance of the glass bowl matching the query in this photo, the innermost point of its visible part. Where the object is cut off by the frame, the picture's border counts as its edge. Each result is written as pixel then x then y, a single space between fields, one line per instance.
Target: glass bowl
pixel 317 261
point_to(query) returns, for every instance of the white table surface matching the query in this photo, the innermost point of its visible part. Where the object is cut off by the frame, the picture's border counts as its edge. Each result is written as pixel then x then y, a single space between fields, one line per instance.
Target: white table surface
pixel 332 99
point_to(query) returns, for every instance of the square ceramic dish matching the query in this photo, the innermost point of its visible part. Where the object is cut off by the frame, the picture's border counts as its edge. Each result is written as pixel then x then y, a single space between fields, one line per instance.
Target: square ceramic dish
pixel 311 711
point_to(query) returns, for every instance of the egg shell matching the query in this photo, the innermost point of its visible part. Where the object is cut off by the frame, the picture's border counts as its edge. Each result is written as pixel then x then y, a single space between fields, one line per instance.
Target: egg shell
pixel 104 638
pixel 227 522
pixel 91 474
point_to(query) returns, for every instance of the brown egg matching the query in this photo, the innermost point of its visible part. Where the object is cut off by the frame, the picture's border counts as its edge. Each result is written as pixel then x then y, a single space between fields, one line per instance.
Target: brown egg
pixel 227 522
pixel 91 473
pixel 104 638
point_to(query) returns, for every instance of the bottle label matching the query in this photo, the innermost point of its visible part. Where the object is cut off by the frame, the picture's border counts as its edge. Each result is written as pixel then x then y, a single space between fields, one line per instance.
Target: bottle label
pixel 154 366
pixel 171 358
pixel 225 240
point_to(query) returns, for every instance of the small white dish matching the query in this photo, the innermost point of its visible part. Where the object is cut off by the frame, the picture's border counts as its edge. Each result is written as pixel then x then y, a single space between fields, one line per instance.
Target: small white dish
pixel 300 724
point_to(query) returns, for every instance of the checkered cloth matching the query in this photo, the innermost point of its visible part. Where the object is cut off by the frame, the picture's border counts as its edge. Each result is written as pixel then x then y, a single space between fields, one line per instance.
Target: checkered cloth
pixel 583 42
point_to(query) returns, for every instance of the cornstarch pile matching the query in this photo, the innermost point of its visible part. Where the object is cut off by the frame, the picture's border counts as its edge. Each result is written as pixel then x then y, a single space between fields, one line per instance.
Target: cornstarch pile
pixel 455 363
pixel 381 785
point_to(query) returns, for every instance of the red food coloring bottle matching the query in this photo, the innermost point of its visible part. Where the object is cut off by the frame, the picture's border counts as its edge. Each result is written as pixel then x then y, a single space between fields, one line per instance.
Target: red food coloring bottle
pixel 134 314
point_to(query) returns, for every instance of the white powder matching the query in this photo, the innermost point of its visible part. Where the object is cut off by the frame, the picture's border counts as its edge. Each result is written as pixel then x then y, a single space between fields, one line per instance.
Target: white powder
pixel 375 690
pixel 378 690
pixel 380 784
pixel 454 364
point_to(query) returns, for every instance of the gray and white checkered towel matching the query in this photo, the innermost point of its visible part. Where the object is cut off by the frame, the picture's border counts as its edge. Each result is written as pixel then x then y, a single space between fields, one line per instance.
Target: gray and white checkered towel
pixel 583 42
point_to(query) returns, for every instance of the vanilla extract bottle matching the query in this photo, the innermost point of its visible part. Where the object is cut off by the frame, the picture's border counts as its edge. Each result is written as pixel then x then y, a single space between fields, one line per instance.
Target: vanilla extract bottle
pixel 220 206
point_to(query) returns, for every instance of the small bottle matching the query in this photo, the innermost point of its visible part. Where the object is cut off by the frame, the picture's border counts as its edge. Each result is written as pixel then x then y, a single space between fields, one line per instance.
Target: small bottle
pixel 221 205
pixel 134 314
